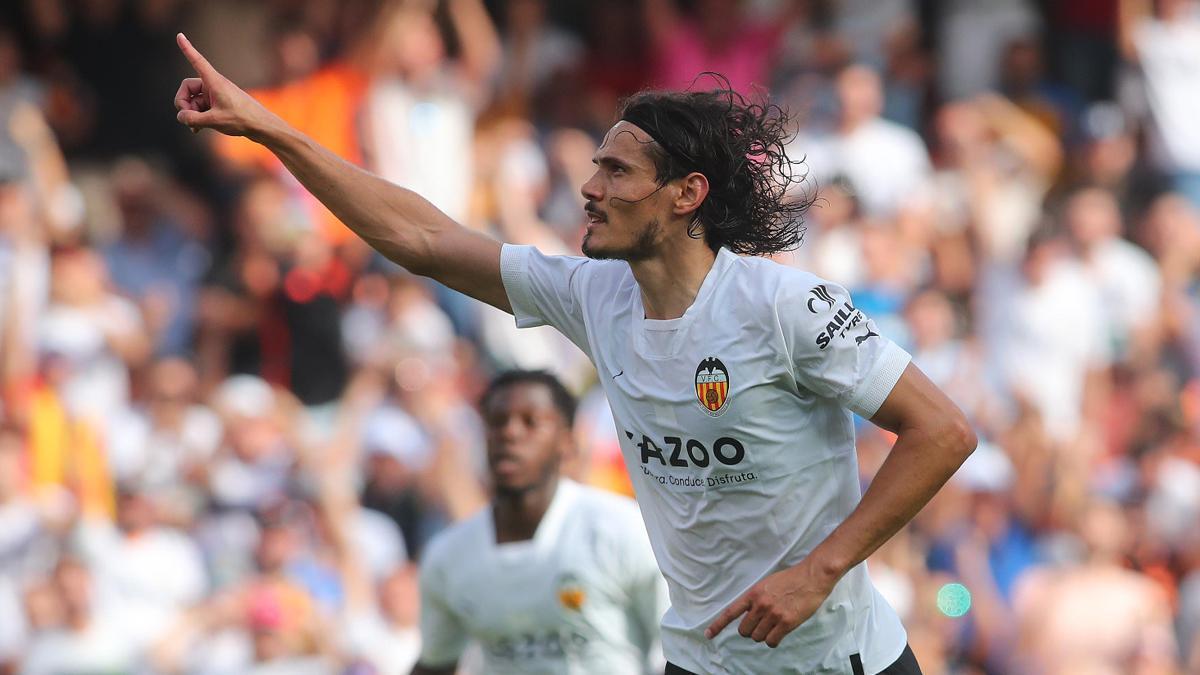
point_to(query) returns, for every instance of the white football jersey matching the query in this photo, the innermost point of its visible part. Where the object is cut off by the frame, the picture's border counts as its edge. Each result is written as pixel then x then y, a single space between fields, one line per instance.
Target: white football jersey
pixel 735 424
pixel 583 596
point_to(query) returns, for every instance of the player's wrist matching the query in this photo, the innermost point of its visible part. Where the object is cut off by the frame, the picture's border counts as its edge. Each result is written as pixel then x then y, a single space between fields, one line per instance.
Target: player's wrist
pixel 266 129
pixel 826 567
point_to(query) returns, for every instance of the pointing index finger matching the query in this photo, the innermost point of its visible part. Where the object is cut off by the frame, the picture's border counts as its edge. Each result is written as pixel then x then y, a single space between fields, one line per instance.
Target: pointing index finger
pixel 732 612
pixel 201 64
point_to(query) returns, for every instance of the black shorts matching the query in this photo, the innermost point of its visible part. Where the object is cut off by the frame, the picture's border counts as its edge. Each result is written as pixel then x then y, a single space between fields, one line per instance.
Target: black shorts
pixel 905 665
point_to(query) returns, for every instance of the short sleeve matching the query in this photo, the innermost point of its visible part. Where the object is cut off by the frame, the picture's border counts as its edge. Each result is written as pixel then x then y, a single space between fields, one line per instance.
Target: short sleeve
pixel 443 637
pixel 545 290
pixel 836 351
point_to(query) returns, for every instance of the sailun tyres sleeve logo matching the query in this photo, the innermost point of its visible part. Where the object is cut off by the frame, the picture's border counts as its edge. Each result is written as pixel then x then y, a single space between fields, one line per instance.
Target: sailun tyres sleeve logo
pixel 844 321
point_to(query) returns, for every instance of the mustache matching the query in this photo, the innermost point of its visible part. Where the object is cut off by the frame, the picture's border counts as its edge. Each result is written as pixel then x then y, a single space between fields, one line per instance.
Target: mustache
pixel 592 208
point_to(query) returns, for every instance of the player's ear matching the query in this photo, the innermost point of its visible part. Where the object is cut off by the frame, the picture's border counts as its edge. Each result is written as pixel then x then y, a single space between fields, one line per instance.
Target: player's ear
pixel 570 456
pixel 693 189
pixel 568 446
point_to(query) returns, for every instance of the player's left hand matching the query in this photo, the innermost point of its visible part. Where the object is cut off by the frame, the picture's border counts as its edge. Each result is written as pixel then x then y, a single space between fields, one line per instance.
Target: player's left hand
pixel 776 605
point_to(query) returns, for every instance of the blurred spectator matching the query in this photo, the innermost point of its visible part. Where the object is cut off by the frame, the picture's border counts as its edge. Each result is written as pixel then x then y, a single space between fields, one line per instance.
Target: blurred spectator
pixel 1108 159
pixel 234 312
pixel 164 444
pixel 534 54
pixel 323 101
pixel 520 187
pixel 387 636
pixel 1126 276
pixel 1165 45
pixel 421 107
pixel 98 335
pixel 1045 327
pixel 833 239
pixel 154 261
pixel 24 520
pixel 971 38
pixel 885 164
pixel 1024 81
pixel 1172 230
pixel 397 452
pixel 717 36
pixel 147 571
pixel 253 466
pixel 868 26
pixel 954 364
pixel 69 632
pixel 995 167
pixel 24 281
pixel 1097 615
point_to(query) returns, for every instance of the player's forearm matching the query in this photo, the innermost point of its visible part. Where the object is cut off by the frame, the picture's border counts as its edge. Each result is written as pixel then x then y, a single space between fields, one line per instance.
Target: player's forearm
pixel 920 463
pixel 397 222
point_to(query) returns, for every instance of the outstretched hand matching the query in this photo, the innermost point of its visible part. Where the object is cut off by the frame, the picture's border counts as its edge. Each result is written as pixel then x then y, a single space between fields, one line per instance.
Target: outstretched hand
pixel 776 605
pixel 211 101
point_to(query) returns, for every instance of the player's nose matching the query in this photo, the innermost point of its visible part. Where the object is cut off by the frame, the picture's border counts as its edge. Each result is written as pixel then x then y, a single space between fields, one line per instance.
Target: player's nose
pixel 592 190
pixel 511 429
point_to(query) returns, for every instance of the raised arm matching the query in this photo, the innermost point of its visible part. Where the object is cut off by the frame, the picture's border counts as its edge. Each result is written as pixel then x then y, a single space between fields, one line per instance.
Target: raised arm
pixel 398 223
pixel 661 18
pixel 477 36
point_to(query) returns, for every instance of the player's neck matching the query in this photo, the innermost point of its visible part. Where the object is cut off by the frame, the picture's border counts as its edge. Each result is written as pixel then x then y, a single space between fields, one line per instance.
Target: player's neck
pixel 516 516
pixel 671 280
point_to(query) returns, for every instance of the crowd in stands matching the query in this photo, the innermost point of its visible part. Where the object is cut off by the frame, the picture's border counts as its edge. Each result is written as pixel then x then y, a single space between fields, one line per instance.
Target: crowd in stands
pixel 228 428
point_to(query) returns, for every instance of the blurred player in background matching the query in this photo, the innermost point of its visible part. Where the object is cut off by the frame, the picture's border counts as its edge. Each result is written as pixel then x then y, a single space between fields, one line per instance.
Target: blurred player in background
pixel 555 577
pixel 732 379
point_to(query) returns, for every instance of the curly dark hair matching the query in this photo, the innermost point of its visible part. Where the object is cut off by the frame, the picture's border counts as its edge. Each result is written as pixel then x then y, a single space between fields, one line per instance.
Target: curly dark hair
pixel 741 148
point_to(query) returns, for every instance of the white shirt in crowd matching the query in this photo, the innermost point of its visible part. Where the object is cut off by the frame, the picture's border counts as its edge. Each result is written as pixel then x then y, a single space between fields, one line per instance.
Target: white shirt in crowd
pixel 156 457
pixel 583 596
pixel 389 649
pixel 886 163
pixel 147 580
pixel 735 423
pixel 1169 54
pixel 1130 287
pixel 103 646
pixel 1044 339
pixel 422 139
pixel 98 387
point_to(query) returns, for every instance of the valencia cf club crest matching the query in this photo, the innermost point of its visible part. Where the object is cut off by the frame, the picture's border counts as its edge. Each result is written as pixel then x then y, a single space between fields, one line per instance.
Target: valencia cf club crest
pixel 570 592
pixel 712 386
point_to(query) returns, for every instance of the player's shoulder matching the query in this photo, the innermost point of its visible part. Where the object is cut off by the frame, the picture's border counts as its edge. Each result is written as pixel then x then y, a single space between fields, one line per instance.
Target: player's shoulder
pixel 612 273
pixel 607 514
pixel 594 500
pixel 462 540
pixel 779 281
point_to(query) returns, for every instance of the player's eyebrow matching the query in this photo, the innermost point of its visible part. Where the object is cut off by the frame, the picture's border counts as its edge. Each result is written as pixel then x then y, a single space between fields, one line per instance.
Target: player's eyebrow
pixel 610 162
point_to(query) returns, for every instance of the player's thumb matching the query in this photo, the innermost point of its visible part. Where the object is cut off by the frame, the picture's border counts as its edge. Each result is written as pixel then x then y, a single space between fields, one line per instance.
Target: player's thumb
pixel 193 118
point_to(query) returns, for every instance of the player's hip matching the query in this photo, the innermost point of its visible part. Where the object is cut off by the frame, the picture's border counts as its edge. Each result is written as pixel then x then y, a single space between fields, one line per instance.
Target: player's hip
pixel 905 665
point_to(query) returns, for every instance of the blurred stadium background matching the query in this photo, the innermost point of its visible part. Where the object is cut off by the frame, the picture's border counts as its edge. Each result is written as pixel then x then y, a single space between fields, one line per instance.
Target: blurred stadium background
pixel 228 429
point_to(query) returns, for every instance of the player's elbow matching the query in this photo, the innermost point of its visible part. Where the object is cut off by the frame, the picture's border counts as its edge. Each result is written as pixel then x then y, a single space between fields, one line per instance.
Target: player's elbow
pixel 957 437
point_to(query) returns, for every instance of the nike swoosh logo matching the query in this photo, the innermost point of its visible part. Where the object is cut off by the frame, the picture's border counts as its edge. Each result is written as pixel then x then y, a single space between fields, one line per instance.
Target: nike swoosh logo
pixel 619 374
